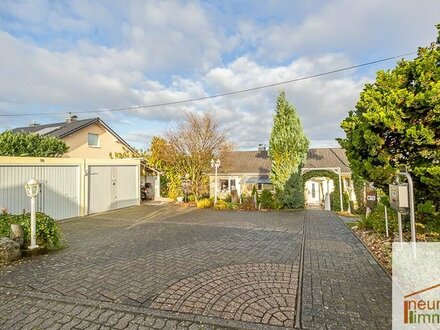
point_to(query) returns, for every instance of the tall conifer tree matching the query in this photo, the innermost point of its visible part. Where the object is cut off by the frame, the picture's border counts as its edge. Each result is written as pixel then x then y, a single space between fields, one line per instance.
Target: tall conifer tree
pixel 288 146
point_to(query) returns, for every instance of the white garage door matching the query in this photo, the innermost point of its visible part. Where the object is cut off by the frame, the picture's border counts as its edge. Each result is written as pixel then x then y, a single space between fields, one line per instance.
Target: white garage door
pixel 112 187
pixel 59 195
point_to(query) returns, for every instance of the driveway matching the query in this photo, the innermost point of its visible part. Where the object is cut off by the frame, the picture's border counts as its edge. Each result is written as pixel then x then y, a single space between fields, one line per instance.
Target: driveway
pixel 164 267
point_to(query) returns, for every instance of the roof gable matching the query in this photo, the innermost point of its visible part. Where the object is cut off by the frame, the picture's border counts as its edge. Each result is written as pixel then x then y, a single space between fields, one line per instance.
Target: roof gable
pixel 327 158
pixel 259 161
pixel 63 129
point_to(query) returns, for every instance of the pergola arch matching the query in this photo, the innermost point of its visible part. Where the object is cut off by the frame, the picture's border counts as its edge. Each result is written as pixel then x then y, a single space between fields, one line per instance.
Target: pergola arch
pixel 333 173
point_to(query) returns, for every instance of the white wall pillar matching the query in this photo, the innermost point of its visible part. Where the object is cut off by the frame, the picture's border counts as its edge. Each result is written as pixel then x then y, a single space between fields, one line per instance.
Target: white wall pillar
pixel 157 187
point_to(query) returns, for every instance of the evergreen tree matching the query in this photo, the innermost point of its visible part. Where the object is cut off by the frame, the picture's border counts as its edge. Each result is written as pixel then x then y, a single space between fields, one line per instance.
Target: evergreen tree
pixel 288 147
pixel 396 125
pixel 293 196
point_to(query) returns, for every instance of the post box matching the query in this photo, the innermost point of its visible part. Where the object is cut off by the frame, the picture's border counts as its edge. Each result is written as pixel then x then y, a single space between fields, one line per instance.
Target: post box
pixel 399 200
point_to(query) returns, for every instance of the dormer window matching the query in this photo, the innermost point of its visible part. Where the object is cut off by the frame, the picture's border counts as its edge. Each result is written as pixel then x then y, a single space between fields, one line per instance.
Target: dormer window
pixel 93 140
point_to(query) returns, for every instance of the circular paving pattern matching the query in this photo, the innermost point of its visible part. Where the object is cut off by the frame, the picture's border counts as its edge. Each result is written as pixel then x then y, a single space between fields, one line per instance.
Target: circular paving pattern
pixel 262 293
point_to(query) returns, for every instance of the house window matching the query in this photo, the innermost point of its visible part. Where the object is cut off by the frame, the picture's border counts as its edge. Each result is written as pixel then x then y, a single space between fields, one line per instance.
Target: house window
pixel 259 186
pixel 313 190
pixel 93 140
pixel 224 185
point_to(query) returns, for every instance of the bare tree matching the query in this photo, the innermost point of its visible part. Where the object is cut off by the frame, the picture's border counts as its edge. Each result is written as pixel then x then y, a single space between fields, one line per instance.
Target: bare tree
pixel 192 144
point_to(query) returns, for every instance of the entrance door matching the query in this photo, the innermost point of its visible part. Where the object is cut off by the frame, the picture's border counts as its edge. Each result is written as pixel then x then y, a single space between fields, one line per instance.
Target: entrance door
pixel 313 193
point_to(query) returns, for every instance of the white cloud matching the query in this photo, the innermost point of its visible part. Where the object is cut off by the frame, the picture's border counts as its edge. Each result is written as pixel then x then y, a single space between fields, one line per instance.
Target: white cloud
pixel 99 55
pixel 367 28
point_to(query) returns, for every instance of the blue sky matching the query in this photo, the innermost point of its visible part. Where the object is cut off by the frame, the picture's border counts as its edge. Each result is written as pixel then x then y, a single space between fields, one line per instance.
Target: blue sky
pixel 60 56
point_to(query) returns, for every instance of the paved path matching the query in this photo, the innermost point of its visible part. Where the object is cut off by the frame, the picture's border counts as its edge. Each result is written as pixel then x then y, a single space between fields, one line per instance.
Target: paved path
pixel 161 267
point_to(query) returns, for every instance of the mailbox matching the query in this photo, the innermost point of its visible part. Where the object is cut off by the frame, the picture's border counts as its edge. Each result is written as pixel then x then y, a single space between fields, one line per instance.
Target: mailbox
pixel 399 197
pixel 371 198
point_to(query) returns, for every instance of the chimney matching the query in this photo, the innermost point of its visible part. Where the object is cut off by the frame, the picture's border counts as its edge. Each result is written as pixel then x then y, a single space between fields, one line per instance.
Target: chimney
pixel 261 147
pixel 71 118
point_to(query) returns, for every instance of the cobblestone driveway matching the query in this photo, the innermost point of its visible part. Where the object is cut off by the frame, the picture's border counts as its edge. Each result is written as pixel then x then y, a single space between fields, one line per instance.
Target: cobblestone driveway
pixel 164 267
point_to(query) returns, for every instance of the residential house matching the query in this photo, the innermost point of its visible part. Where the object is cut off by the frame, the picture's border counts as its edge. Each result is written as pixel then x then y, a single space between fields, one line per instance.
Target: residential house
pixel 86 138
pixel 241 171
pixel 92 138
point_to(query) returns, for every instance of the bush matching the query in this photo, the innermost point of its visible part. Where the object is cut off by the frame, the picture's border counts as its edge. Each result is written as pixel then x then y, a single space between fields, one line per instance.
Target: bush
pixel 335 203
pixel 221 205
pixel 234 206
pixel 254 191
pixel 345 200
pixel 248 204
pixel 49 234
pixel 292 197
pixel 376 220
pixel 267 200
pixel 204 203
pixel 191 198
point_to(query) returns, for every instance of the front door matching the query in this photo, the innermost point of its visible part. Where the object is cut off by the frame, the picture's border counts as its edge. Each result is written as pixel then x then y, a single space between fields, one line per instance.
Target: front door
pixel 313 193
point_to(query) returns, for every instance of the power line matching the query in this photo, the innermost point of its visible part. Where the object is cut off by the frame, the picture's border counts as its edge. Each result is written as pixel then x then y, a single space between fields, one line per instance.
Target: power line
pixel 215 95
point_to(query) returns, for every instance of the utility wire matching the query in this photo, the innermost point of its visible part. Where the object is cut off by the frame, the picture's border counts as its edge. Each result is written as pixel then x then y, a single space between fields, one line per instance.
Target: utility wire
pixel 215 95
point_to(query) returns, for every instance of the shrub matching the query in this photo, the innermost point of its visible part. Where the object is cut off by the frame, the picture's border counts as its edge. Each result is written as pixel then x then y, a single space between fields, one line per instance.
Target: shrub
pixel 49 234
pixel 254 191
pixel 376 220
pixel 292 197
pixel 234 206
pixel 227 198
pixel 267 200
pixel 335 203
pixel 191 198
pixel 204 203
pixel 248 203
pixel 221 205
pixel 345 200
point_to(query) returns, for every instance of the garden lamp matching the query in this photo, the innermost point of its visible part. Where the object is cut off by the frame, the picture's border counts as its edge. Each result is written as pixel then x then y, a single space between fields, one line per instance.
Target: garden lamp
pixel 215 164
pixel 32 190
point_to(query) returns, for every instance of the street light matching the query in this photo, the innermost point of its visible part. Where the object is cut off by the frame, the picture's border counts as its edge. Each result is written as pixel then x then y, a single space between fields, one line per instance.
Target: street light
pixel 215 164
pixel 186 185
pixel 32 190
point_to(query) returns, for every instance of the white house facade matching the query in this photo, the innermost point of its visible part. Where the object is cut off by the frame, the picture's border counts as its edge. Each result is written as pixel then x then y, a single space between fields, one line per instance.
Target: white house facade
pixel 241 171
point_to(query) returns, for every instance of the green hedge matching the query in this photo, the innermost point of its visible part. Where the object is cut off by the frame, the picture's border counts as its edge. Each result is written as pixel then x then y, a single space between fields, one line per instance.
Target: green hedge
pixel 49 234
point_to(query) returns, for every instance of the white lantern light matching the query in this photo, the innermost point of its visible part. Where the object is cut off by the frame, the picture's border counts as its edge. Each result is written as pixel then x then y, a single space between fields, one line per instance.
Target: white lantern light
pixel 32 188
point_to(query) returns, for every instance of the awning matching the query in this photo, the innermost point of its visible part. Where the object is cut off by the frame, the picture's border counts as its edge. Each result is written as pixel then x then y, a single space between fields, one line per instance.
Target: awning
pixel 258 179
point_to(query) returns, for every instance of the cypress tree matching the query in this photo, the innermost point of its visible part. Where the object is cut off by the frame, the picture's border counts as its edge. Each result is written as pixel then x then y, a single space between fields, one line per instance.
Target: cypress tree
pixel 288 147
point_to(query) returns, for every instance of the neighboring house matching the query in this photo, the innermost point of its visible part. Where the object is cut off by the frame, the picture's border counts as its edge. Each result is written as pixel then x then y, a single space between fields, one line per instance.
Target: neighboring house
pixel 242 170
pixel 86 138
pixel 93 138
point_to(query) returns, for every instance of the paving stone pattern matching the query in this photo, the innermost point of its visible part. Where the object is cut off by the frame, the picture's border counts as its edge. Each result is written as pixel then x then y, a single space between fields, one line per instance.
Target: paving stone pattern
pixel 343 286
pixel 18 312
pixel 130 257
pixel 261 293
pixel 161 267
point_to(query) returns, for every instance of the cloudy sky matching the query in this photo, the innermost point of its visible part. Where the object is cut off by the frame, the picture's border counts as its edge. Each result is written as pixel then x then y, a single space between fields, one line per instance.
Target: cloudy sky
pixel 61 56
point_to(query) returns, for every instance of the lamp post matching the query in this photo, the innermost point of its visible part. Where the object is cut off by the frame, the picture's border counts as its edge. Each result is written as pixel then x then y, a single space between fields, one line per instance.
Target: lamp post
pixel 32 190
pixel 215 164
pixel 186 185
